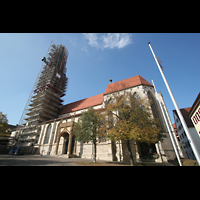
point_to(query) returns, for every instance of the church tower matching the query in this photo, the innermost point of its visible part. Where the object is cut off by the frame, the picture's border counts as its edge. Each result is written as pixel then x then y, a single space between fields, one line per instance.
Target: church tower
pixel 45 101
pixel 50 87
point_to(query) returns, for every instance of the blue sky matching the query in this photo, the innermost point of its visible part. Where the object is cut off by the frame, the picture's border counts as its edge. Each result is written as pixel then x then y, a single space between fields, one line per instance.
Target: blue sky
pixel 94 59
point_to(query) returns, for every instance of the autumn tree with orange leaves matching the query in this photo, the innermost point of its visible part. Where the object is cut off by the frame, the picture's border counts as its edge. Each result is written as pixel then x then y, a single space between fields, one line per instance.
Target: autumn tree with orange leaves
pixel 131 119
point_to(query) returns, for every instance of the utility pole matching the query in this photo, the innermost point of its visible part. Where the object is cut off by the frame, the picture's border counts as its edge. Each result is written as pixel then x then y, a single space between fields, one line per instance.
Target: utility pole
pixel 170 133
pixel 177 109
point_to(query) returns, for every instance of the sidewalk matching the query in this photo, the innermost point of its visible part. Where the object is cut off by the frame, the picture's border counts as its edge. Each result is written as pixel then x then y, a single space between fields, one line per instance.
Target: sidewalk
pixel 89 162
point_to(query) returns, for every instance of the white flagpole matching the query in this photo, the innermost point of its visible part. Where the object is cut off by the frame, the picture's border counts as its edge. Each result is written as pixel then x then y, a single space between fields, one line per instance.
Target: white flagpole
pixel 170 133
pixel 178 110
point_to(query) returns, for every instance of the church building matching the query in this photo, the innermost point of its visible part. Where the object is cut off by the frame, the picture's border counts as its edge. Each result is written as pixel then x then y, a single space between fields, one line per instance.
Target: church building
pixel 55 137
pixel 46 125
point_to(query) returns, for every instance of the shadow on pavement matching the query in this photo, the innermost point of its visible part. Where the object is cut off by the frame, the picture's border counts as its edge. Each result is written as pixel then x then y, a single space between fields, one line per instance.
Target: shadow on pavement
pixel 11 160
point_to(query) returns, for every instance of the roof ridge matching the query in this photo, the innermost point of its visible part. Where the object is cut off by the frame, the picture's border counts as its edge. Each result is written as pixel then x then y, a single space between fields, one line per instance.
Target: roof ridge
pixel 125 79
pixel 144 79
pixel 126 83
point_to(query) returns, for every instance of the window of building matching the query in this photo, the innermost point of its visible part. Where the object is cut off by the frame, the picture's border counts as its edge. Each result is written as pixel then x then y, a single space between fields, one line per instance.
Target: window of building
pixel 102 139
pixel 46 140
pixel 188 143
pixel 155 108
pixel 193 154
pixel 136 96
pixel 56 137
pixel 38 135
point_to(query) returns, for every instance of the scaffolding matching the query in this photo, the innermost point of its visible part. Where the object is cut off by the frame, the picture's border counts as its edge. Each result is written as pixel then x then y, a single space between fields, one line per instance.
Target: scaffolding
pixel 45 99
pixel 54 74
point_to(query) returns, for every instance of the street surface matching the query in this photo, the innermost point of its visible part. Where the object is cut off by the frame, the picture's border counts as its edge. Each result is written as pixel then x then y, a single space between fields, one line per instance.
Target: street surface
pixel 37 160
pixel 60 160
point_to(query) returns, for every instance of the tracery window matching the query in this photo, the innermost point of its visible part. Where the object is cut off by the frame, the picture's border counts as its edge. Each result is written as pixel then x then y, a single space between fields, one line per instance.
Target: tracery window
pixel 153 105
pixel 46 140
pixel 136 96
pixel 155 110
pixel 56 137
pixel 38 135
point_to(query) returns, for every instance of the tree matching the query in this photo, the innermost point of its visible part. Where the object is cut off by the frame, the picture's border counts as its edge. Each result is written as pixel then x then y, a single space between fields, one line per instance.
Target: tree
pixel 3 125
pixel 132 121
pixel 89 127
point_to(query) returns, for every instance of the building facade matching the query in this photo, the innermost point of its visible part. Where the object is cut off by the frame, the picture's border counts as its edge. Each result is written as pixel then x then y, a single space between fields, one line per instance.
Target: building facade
pixel 194 114
pixel 48 126
pixel 56 136
pixel 183 139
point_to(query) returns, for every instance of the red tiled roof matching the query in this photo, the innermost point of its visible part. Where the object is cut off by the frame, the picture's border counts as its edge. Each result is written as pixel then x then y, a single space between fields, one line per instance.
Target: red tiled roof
pixel 174 126
pixel 175 129
pixel 82 104
pixel 126 83
pixel 185 112
pixel 98 99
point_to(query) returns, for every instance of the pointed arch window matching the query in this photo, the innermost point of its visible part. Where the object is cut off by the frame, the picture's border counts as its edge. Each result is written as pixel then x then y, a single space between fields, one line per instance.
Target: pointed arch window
pixel 156 111
pixel 46 139
pixel 56 137
pixel 38 135
pixel 153 105
pixel 136 96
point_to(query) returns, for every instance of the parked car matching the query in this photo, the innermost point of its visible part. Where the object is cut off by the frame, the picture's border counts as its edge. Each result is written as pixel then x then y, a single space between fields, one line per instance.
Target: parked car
pixel 19 151
pixel 12 151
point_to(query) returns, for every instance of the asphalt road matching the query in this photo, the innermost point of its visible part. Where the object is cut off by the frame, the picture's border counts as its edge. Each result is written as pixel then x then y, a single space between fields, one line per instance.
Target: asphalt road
pixel 37 160
pixel 61 160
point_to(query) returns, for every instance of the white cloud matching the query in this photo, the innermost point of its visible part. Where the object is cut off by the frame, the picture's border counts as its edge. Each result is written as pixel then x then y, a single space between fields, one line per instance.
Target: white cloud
pixel 92 37
pixel 109 40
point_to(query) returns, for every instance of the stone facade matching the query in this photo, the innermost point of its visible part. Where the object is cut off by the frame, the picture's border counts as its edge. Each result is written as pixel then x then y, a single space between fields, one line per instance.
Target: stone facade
pixel 56 136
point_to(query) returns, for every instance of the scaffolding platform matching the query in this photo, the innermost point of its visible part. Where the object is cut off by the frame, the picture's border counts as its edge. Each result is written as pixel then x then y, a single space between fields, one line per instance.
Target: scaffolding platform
pixel 45 98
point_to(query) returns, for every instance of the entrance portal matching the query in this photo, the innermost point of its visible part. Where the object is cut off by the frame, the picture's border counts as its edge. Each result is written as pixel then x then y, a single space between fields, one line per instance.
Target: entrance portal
pixel 147 151
pixel 67 143
pixel 65 132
